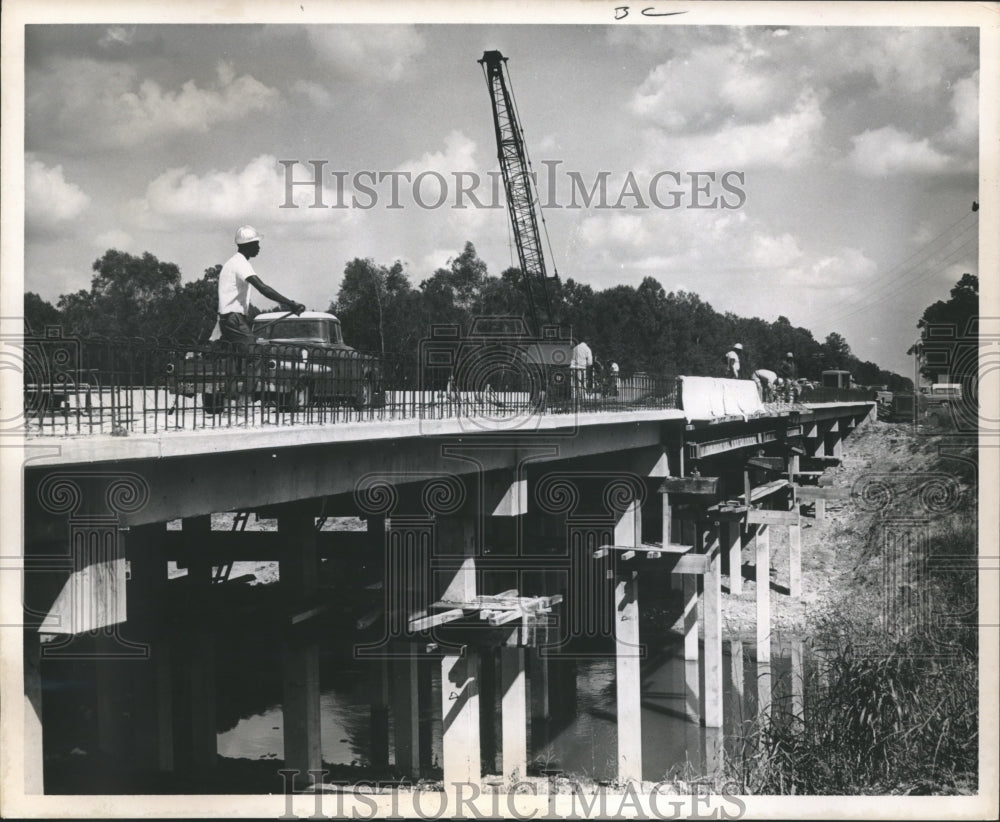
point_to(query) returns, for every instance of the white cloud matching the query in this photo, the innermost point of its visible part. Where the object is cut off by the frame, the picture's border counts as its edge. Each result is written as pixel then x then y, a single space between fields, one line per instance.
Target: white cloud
pixel 964 130
pixel 253 194
pixel 377 53
pixel 89 103
pixel 49 197
pixel 787 140
pixel 887 150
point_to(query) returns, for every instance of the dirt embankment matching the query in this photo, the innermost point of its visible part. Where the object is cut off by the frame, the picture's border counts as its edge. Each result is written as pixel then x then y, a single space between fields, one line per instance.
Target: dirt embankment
pixel 892 469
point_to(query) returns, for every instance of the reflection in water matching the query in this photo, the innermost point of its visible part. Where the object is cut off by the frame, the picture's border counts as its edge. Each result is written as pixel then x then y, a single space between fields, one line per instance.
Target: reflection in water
pixel 674 742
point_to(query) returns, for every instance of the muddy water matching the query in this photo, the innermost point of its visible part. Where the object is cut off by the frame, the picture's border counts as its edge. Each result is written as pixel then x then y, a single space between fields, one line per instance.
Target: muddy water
pixel 674 742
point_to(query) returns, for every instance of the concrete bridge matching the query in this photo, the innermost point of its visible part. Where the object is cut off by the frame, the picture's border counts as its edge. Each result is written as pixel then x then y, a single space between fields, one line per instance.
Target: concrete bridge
pixel 492 551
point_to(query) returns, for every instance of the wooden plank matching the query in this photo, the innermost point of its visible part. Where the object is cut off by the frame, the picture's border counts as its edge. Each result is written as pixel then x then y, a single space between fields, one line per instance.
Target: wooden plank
pixel 690 564
pixel 762 491
pixel 647 547
pixel 762 517
pixel 690 485
pixel 432 620
pixel 767 463
pixel 809 493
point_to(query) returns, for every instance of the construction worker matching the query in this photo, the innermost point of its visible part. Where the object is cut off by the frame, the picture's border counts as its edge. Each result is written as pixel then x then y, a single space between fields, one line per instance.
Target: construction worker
pixel 733 361
pixel 581 362
pixel 235 279
pixel 788 374
pixel 767 383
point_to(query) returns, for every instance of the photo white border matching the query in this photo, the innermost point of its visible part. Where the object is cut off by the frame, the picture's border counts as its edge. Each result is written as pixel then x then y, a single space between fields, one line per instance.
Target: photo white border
pixel 18 13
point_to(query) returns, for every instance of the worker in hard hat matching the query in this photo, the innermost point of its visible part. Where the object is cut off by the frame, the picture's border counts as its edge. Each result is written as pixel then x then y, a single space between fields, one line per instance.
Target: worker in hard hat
pixel 235 279
pixel 733 356
pixel 789 373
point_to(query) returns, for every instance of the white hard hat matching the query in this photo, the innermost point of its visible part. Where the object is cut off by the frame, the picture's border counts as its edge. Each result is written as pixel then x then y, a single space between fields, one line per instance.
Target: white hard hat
pixel 247 234
pixel 739 346
pixel 789 354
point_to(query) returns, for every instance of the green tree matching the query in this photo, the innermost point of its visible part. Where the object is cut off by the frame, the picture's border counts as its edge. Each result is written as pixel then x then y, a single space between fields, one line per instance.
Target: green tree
pixel 38 314
pixel 948 334
pixel 129 296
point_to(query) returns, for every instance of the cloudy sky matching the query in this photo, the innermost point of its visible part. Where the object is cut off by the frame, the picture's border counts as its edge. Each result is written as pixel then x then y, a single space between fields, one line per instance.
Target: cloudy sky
pixel 849 157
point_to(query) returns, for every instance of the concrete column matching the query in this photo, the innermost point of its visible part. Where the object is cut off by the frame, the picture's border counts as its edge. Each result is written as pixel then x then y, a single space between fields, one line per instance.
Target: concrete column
pixel 200 678
pixel 153 715
pixel 538 687
pixel 33 752
pixel 406 711
pixel 298 570
pixel 513 714
pixel 460 715
pixel 628 676
pixel 379 715
pixel 713 628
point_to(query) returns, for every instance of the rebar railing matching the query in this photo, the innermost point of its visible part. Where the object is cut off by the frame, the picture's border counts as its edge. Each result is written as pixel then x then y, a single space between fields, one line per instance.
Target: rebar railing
pixel 126 386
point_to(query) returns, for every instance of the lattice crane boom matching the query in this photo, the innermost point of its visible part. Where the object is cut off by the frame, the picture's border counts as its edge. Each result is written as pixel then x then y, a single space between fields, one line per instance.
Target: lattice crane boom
pixel 519 186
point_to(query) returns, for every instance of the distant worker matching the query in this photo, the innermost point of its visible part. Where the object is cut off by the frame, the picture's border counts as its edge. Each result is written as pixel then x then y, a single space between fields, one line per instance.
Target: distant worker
pixel 789 374
pixel 614 379
pixel 733 361
pixel 768 382
pixel 582 360
pixel 235 279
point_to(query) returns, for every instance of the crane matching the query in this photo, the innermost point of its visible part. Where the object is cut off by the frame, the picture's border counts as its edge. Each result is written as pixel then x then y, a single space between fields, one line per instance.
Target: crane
pixel 519 185
pixel 552 344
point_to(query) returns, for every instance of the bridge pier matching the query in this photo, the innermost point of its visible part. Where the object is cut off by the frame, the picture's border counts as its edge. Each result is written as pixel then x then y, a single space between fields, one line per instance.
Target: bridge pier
pixel 298 572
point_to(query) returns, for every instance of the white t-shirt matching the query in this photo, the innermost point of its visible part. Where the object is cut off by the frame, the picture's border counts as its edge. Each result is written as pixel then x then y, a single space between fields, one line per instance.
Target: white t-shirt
pixel 766 374
pixel 582 356
pixel 234 290
pixel 733 361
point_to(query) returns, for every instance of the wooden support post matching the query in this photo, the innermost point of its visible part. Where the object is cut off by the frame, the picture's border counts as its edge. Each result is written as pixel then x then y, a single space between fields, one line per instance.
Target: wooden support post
pixel 406 712
pixel 713 629
pixel 763 618
pixel 763 579
pixel 455 535
pixel 736 674
pixel 112 705
pixel 379 715
pixel 297 576
pixel 820 509
pixel 795 561
pixel 513 714
pixel 798 683
pixel 628 676
pixel 34 760
pixel 714 750
pixel 731 543
pixel 667 516
pixel 460 718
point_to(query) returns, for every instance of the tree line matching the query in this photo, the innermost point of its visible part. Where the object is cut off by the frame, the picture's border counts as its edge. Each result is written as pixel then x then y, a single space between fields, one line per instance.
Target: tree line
pixel 643 328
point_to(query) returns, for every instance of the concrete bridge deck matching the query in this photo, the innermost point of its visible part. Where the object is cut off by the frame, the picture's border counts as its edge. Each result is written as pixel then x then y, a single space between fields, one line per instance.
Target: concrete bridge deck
pixel 466 504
